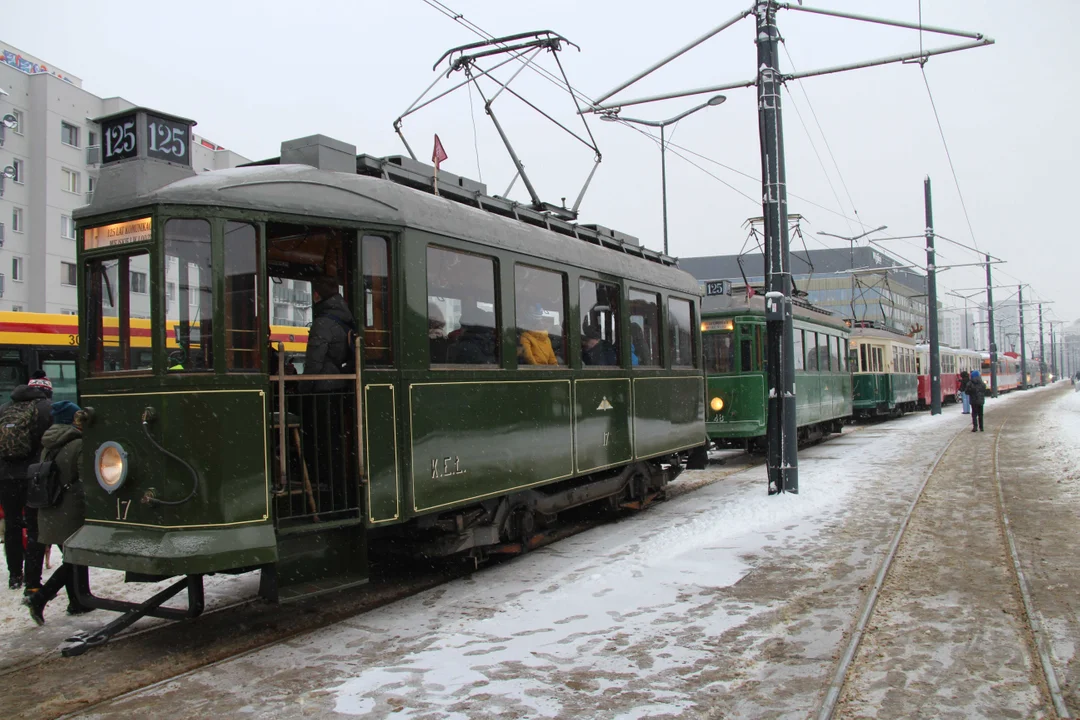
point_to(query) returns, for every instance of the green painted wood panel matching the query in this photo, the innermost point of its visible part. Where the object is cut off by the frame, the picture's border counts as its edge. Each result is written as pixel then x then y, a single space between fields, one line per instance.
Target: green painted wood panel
pixel 602 410
pixel 669 414
pixel 472 440
pixel 381 454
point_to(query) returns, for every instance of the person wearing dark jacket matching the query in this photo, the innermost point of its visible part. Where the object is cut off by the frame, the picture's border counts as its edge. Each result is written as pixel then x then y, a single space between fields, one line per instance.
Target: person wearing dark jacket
pixel 23 567
pixel 328 339
pixel 964 377
pixel 62 443
pixel 976 390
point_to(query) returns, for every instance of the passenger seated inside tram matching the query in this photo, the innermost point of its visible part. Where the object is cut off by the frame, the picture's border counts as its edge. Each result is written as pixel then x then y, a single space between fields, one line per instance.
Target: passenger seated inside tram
pixel 534 341
pixel 595 350
pixel 474 342
pixel 437 342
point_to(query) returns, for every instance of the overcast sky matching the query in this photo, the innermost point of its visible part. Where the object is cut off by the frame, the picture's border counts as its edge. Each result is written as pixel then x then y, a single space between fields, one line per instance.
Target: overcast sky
pixel 256 73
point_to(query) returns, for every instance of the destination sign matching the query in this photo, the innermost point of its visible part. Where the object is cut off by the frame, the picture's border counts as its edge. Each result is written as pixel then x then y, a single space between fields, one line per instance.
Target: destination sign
pixel 717 325
pixel 132 231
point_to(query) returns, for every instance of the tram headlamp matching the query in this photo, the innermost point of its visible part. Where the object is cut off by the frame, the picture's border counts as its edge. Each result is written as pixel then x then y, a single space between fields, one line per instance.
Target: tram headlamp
pixel 717 404
pixel 111 466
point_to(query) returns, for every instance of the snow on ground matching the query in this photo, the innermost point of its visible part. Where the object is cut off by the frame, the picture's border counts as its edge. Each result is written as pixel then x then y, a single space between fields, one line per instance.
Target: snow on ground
pixel 624 617
pixel 621 621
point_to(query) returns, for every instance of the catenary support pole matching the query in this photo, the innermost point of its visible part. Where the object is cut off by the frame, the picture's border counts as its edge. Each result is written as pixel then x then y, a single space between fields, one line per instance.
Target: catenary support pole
pixel 663 183
pixel 1023 347
pixel 782 460
pixel 932 312
pixel 990 325
pixel 1042 351
pixel 1053 356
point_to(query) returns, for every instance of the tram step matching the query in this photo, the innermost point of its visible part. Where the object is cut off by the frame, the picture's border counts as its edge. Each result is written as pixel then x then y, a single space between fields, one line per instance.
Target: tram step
pixel 315 563
pixel 310 589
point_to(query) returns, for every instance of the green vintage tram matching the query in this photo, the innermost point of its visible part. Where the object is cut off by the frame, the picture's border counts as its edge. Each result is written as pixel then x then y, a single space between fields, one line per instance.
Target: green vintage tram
pixel 508 364
pixel 884 373
pixel 733 338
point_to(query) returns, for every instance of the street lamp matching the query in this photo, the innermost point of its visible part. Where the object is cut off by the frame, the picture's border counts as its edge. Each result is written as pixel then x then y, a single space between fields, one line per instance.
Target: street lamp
pixel 613 116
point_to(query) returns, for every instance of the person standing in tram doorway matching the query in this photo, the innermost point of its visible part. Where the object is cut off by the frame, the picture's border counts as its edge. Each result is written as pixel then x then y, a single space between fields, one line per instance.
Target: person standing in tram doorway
pixel 328 349
pixel 976 390
pixel 964 377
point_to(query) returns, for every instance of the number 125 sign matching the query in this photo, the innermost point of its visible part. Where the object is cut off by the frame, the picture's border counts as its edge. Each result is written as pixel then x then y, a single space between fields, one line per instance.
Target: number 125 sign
pixel 165 139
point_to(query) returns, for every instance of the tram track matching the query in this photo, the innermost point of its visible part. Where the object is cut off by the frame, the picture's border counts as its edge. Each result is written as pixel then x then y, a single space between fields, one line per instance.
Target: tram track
pixel 146 657
pixel 1038 643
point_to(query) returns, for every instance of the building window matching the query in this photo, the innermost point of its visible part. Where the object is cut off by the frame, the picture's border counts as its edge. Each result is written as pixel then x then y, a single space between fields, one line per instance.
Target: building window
pixel 18 121
pixel 67 273
pixel 18 176
pixel 170 291
pixel 69 311
pixel 17 219
pixel 16 308
pixel 91 139
pixel 70 180
pixel 16 269
pixel 138 282
pixel 69 134
pixel 67 227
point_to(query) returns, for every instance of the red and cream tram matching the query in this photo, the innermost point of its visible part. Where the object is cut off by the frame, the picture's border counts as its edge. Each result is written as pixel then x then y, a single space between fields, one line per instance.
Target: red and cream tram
pixel 953 362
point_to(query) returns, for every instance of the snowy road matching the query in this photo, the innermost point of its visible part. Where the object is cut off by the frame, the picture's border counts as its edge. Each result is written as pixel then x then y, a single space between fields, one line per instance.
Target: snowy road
pixel 721 602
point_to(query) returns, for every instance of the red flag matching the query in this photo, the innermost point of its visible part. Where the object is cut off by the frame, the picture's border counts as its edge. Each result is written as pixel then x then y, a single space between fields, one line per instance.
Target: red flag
pixel 749 291
pixel 438 154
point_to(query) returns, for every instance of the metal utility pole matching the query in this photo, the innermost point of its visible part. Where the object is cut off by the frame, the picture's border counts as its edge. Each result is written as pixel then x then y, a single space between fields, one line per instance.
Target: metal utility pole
pixel 1042 351
pixel 990 325
pixel 932 314
pixel 1053 355
pixel 782 461
pixel 1023 350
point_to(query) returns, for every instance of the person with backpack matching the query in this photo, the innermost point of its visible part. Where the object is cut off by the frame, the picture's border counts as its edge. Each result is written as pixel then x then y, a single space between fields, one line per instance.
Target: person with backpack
pixel 329 351
pixel 976 390
pixel 62 446
pixel 23 421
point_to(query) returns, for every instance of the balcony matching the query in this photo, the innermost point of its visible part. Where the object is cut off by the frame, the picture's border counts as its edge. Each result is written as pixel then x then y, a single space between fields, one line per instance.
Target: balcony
pixel 93 155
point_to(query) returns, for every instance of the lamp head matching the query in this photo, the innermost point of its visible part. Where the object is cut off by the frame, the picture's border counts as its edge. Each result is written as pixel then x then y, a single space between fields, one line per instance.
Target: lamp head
pixel 610 116
pixel 716 100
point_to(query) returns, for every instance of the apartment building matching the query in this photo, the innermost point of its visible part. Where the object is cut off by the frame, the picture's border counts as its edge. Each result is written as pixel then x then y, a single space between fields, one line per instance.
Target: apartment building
pixel 49 157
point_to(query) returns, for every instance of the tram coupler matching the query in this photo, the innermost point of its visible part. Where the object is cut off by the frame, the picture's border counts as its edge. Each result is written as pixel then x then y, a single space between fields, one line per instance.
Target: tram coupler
pixel 133 612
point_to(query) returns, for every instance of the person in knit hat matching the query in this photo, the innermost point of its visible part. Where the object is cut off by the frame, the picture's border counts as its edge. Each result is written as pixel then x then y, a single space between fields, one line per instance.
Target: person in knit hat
pixel 63 446
pixel 41 381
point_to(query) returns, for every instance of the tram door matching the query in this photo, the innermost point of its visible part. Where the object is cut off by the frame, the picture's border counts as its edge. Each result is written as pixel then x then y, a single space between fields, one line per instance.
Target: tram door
pixel 314 430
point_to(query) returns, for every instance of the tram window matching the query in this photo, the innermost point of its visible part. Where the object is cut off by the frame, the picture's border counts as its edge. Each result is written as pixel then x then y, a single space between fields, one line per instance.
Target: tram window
pixel 718 349
pixel 117 327
pixel 799 357
pixel 62 375
pixel 189 321
pixel 599 303
pixel 241 329
pixel 462 288
pixel 759 345
pixel 378 348
pixel 540 314
pixel 879 358
pixel 746 355
pixel 680 322
pixel 862 355
pixel 644 328
pixel 895 365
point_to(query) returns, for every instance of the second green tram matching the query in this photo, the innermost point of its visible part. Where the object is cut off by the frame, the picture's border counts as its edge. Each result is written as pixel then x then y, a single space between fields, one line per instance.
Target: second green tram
pixel 733 342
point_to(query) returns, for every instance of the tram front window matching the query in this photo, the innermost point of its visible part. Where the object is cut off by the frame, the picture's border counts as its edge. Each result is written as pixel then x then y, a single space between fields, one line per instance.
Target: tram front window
pixel 118 308
pixel 188 279
pixel 719 352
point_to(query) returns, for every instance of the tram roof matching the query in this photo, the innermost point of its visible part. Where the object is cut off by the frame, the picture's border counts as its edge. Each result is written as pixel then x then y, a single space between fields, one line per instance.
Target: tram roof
pixel 321 194
pixel 882 334
pixel 731 304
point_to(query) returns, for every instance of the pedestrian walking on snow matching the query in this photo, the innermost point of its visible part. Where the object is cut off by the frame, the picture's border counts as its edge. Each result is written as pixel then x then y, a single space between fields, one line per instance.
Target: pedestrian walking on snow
pixel 976 391
pixel 964 377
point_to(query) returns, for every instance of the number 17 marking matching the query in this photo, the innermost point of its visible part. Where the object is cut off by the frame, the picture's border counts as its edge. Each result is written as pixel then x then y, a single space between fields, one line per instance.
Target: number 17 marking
pixel 122 508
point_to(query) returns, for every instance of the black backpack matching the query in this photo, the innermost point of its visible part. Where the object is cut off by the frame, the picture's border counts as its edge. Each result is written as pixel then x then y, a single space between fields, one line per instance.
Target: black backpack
pixel 43 486
pixel 17 421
